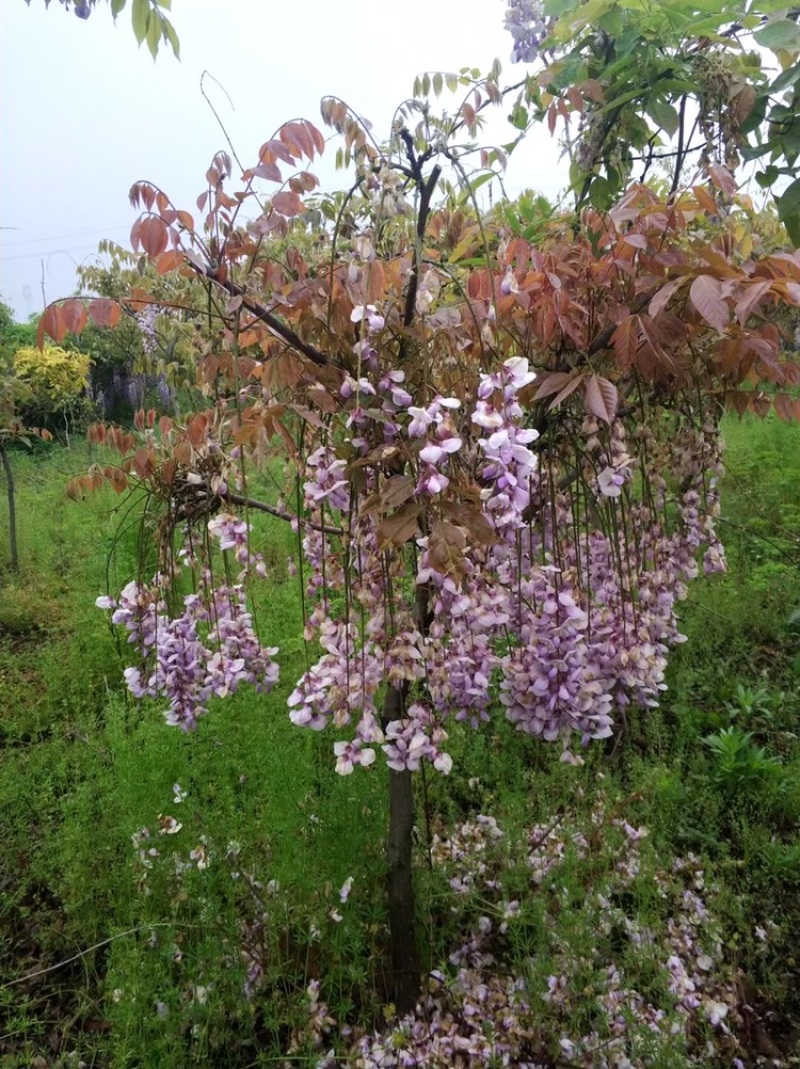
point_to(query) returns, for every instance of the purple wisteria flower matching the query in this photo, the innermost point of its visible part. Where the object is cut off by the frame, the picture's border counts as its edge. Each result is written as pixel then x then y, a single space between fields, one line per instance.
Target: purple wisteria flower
pixel 208 649
pixel 528 27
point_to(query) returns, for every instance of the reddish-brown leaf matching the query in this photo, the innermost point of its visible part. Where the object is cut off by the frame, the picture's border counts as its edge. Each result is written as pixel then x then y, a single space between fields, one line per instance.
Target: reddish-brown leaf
pixel 738 400
pixel 275 149
pixel 396 529
pixel 705 295
pixel 661 299
pixel 196 430
pixel 144 463
pixel 722 178
pixel 167 473
pixel 446 546
pixel 625 340
pixel 104 312
pixel 569 388
pixel 296 137
pixel 153 235
pixel 396 491
pixel 269 171
pixel 169 261
pixel 593 90
pixel 782 403
pixel 554 383
pixel 753 292
pixel 74 315
pixel 473 520
pixel 743 103
pixel 304 182
pixel 705 200
pixel 728 355
pixel 52 323
pixel 601 398
pixel 288 203
pixel 183 453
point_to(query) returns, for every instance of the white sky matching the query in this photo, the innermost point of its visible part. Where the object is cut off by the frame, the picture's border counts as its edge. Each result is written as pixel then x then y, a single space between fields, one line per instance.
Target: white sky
pixel 85 113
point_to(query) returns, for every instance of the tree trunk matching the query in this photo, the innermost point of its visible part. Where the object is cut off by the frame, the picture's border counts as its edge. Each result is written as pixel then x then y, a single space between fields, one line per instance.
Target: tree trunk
pixel 399 878
pixel 12 509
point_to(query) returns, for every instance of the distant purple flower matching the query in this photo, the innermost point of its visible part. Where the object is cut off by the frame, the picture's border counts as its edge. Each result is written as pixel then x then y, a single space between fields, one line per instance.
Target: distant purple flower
pixel 526 23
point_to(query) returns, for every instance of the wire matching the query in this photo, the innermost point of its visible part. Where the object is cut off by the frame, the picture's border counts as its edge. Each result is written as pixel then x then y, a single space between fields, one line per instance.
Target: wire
pixel 46 254
pixel 63 237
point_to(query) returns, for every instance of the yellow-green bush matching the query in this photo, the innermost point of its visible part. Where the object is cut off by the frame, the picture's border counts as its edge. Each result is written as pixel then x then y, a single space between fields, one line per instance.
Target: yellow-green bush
pixel 51 381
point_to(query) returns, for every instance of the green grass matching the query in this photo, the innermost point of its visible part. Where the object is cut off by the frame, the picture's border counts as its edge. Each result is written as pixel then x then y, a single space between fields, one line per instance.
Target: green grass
pixel 143 966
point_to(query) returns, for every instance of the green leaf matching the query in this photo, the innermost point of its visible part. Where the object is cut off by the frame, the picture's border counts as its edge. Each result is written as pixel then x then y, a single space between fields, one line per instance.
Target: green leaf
pixel 624 98
pixel 452 82
pixel 789 205
pixel 612 22
pixel 755 152
pixel 600 195
pixel 153 34
pixel 768 177
pixel 481 180
pixel 756 116
pixel 426 84
pixel 117 6
pixel 519 117
pixel 166 4
pixel 171 36
pixel 664 115
pixel 590 13
pixel 438 83
pixel 140 17
pixel 780 33
pixel 557 8
pixel 788 78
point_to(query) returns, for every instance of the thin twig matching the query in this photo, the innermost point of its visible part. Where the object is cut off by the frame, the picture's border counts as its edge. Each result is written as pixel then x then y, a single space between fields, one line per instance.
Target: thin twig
pixel 88 950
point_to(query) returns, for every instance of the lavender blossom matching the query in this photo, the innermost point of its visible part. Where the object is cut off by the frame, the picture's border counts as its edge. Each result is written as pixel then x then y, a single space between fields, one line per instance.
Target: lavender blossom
pixel 528 27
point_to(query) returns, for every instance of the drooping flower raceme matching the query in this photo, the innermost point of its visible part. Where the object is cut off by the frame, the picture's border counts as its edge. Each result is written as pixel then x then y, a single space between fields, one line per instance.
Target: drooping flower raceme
pixel 208 649
pixel 526 23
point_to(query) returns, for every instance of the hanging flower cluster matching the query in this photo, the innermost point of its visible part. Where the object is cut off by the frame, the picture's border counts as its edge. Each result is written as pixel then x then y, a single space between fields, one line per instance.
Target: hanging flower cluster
pixel 206 650
pixel 526 22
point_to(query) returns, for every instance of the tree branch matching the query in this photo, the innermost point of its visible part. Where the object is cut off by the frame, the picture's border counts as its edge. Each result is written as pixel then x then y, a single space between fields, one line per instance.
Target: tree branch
pixel 260 312
pixel 281 514
pixel 426 192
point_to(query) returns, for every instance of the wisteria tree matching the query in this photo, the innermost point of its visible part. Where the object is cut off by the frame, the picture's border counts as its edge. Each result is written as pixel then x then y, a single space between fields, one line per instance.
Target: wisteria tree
pixel 499 434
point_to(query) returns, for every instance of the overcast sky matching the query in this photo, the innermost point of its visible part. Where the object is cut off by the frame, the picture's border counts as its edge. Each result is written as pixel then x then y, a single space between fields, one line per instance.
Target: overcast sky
pixel 85 113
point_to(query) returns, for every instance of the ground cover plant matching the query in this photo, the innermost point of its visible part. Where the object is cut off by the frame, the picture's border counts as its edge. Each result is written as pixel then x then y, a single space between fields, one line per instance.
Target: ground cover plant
pixel 490 446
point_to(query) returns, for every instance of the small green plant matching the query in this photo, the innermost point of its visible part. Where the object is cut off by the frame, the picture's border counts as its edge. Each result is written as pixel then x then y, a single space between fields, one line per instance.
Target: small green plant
pixel 740 764
pixel 750 704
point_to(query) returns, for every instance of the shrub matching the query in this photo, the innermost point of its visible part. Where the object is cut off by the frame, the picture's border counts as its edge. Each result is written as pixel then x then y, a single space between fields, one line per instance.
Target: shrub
pixel 50 383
